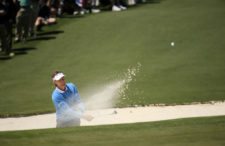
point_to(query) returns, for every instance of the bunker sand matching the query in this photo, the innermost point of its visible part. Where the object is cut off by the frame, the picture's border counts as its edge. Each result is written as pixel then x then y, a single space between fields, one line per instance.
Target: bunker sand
pixel 119 116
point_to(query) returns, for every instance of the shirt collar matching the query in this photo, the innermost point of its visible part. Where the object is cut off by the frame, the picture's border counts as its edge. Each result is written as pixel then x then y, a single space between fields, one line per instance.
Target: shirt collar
pixel 60 91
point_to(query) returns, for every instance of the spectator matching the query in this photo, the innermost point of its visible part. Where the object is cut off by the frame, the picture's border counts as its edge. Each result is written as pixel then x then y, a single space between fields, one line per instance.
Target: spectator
pixel 34 14
pixel 60 7
pixel 118 5
pixel 131 2
pixel 78 7
pixel 54 6
pixel 6 20
pixel 44 16
pixel 95 6
pixel 23 20
pixel 91 5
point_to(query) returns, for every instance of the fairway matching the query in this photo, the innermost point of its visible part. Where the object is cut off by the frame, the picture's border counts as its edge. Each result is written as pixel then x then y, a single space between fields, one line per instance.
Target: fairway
pixel 96 50
pixel 196 131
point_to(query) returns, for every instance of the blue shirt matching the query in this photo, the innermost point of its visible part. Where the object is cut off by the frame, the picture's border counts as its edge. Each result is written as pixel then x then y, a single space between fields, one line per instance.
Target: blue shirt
pixel 67 103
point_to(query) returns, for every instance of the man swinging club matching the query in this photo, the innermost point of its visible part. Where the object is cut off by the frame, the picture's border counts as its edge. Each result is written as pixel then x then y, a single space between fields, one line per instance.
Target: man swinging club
pixel 67 102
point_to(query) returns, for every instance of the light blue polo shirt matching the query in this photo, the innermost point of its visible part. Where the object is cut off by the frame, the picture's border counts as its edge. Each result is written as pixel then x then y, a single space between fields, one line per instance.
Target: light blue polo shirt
pixel 67 103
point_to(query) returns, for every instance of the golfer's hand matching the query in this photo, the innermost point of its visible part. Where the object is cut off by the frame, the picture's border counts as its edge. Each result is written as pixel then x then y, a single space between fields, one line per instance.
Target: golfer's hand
pixel 88 117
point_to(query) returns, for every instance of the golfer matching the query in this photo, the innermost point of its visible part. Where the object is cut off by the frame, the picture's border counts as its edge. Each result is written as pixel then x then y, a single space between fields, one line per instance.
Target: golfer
pixel 67 102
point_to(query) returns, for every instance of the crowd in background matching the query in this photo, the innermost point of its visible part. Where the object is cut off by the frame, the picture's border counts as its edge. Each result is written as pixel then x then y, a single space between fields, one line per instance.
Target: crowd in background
pixel 21 19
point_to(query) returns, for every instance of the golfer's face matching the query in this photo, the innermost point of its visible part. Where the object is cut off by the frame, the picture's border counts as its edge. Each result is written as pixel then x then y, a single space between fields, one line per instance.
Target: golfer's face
pixel 61 83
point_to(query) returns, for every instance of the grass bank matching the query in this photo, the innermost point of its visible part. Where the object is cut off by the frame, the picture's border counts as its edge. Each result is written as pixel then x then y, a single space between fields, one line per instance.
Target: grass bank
pixel 195 131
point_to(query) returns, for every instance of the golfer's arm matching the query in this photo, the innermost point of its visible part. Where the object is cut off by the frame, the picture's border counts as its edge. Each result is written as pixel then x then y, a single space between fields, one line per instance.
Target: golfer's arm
pixel 64 107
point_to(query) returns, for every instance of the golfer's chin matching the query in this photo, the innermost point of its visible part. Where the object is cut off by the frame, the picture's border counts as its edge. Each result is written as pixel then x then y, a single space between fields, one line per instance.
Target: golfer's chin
pixel 62 87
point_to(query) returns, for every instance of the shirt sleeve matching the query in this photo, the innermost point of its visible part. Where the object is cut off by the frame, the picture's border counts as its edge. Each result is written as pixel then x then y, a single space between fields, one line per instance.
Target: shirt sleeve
pixel 64 109
pixel 79 106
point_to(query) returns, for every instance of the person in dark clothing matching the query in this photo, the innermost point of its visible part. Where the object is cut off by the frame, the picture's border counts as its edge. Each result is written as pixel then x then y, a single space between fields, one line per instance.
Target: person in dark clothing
pixel 23 20
pixel 118 5
pixel 6 22
pixel 34 13
pixel 44 16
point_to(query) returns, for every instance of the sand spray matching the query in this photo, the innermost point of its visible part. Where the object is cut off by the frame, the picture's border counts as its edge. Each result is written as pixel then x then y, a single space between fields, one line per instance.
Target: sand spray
pixel 109 94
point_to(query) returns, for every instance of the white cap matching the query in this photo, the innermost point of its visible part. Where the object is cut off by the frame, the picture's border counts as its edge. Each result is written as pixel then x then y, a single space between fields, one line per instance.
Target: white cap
pixel 58 76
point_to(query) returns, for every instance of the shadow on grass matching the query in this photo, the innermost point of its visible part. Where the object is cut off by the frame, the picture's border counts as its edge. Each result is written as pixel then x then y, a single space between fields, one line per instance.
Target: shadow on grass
pixel 71 16
pixel 55 32
pixel 153 1
pixel 17 51
pixel 45 36
pixel 4 57
pixel 23 50
pixel 42 38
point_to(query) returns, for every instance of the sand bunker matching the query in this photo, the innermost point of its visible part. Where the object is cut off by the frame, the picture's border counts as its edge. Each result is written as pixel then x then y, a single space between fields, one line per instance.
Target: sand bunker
pixel 119 116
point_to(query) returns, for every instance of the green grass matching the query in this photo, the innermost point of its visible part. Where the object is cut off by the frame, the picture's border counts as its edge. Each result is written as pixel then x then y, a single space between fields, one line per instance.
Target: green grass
pixel 195 131
pixel 97 49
